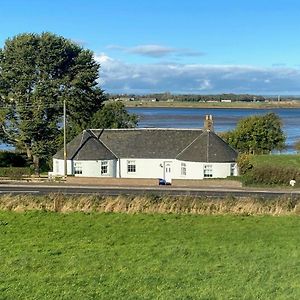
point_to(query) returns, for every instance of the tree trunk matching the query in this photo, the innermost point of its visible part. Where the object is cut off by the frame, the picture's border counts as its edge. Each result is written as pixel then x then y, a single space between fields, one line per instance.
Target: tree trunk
pixel 29 153
pixel 36 163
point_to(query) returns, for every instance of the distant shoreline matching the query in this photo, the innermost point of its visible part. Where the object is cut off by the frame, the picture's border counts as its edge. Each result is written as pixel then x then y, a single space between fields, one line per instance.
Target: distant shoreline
pixel 242 105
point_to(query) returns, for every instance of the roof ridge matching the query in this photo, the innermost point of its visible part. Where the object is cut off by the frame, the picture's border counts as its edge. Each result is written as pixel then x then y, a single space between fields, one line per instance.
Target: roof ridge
pixel 82 143
pixel 102 143
pixel 146 128
pixel 91 136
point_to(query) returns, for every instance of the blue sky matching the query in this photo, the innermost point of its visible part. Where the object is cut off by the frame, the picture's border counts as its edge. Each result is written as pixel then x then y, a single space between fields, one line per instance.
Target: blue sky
pixel 189 46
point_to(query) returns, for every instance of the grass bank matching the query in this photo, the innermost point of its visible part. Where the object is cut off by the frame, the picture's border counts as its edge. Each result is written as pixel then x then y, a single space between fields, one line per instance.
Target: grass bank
pixel 150 204
pixel 280 160
pixel 48 255
pixel 242 105
pixel 270 170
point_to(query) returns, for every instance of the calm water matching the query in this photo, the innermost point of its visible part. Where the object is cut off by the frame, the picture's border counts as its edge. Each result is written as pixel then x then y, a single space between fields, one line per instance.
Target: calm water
pixel 224 119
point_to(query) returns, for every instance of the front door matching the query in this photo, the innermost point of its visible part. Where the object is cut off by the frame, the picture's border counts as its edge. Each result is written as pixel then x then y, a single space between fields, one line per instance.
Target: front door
pixel 168 171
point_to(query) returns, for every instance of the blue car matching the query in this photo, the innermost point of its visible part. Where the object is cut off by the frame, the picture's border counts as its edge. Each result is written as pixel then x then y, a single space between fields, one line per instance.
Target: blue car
pixel 161 181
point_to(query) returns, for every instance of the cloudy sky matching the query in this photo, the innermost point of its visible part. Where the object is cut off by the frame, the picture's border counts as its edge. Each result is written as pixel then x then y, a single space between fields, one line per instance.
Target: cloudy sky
pixel 191 46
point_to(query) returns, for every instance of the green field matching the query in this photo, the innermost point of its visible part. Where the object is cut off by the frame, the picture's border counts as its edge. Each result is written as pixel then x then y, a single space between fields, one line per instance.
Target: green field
pixel 121 256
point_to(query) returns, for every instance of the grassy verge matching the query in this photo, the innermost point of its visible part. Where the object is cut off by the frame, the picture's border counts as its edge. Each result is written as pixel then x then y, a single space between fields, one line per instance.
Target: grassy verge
pixel 136 256
pixel 150 204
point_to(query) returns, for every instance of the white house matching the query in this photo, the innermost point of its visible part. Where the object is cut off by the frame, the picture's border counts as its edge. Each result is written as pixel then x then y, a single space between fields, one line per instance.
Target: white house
pixel 148 153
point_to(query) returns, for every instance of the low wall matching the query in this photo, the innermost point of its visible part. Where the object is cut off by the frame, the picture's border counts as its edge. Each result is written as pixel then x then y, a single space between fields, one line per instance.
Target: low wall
pixel 111 181
pixel 152 182
pixel 206 183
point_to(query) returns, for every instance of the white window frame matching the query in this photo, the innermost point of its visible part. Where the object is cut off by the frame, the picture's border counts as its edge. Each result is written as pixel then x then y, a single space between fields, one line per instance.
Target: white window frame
pixel 183 169
pixel 104 167
pixel 208 171
pixel 77 168
pixel 131 166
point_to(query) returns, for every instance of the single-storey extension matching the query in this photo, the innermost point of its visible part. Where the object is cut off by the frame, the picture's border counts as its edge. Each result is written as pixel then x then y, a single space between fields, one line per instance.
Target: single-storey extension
pixel 148 153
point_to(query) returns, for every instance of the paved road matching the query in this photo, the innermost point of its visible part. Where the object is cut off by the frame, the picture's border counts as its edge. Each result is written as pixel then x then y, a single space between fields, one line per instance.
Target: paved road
pixel 160 190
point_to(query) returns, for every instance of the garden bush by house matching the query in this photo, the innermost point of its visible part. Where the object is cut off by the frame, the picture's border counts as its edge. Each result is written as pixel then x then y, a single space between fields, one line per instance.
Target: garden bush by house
pixel 244 163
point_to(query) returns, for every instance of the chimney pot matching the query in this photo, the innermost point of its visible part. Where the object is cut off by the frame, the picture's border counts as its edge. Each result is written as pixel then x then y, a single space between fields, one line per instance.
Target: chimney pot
pixel 208 123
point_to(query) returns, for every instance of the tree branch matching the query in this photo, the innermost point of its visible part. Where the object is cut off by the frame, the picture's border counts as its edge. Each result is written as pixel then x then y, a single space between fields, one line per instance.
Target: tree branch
pixel 9 135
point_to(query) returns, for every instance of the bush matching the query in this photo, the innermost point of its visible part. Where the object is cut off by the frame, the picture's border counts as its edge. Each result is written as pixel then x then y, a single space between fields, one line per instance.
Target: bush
pixel 271 175
pixel 15 173
pixel 244 163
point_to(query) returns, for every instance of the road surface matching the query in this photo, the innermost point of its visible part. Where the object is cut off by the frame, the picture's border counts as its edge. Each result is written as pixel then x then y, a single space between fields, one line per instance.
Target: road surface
pixel 40 189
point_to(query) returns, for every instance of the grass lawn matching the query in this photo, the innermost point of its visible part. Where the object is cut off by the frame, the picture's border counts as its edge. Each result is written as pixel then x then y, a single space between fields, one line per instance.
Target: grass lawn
pixel 284 160
pixel 120 256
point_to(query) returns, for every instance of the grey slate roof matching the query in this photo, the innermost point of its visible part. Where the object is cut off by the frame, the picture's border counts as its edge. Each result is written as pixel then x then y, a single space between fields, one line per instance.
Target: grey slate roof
pixel 183 144
pixel 86 146
pixel 148 143
pixel 208 147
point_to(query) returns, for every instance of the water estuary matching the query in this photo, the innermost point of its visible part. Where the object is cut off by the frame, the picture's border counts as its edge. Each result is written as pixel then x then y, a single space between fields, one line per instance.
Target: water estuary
pixel 224 119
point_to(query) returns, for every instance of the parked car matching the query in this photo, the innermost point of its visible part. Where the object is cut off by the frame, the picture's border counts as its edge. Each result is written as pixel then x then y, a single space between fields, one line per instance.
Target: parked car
pixel 161 181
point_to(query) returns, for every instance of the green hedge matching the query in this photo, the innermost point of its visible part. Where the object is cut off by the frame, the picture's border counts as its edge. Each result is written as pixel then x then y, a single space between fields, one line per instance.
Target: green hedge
pixel 15 173
pixel 271 175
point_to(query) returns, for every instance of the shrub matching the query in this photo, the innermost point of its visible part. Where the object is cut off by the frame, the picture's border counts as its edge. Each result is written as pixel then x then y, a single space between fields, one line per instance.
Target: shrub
pixel 15 173
pixel 271 175
pixel 244 163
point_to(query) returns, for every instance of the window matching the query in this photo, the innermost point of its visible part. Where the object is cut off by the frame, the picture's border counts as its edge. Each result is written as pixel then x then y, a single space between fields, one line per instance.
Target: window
pixel 131 168
pixel 77 168
pixel 232 169
pixel 104 167
pixel 207 171
pixel 183 169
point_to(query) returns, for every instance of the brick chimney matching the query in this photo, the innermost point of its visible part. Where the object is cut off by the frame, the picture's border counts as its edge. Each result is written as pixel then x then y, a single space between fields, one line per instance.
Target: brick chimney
pixel 208 123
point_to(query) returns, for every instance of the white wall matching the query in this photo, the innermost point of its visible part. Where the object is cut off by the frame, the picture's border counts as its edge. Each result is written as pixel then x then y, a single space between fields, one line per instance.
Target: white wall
pixel 154 168
pixel 195 170
pixel 59 169
pixel 90 168
pixel 145 168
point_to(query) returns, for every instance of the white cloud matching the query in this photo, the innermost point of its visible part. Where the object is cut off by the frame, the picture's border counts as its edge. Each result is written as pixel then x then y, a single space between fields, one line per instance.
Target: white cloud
pixel 205 84
pixel 103 58
pixel 117 76
pixel 155 51
pixel 151 50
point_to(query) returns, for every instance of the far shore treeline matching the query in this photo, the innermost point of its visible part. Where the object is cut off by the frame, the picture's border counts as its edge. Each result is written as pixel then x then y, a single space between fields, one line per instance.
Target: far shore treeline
pixel 167 96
